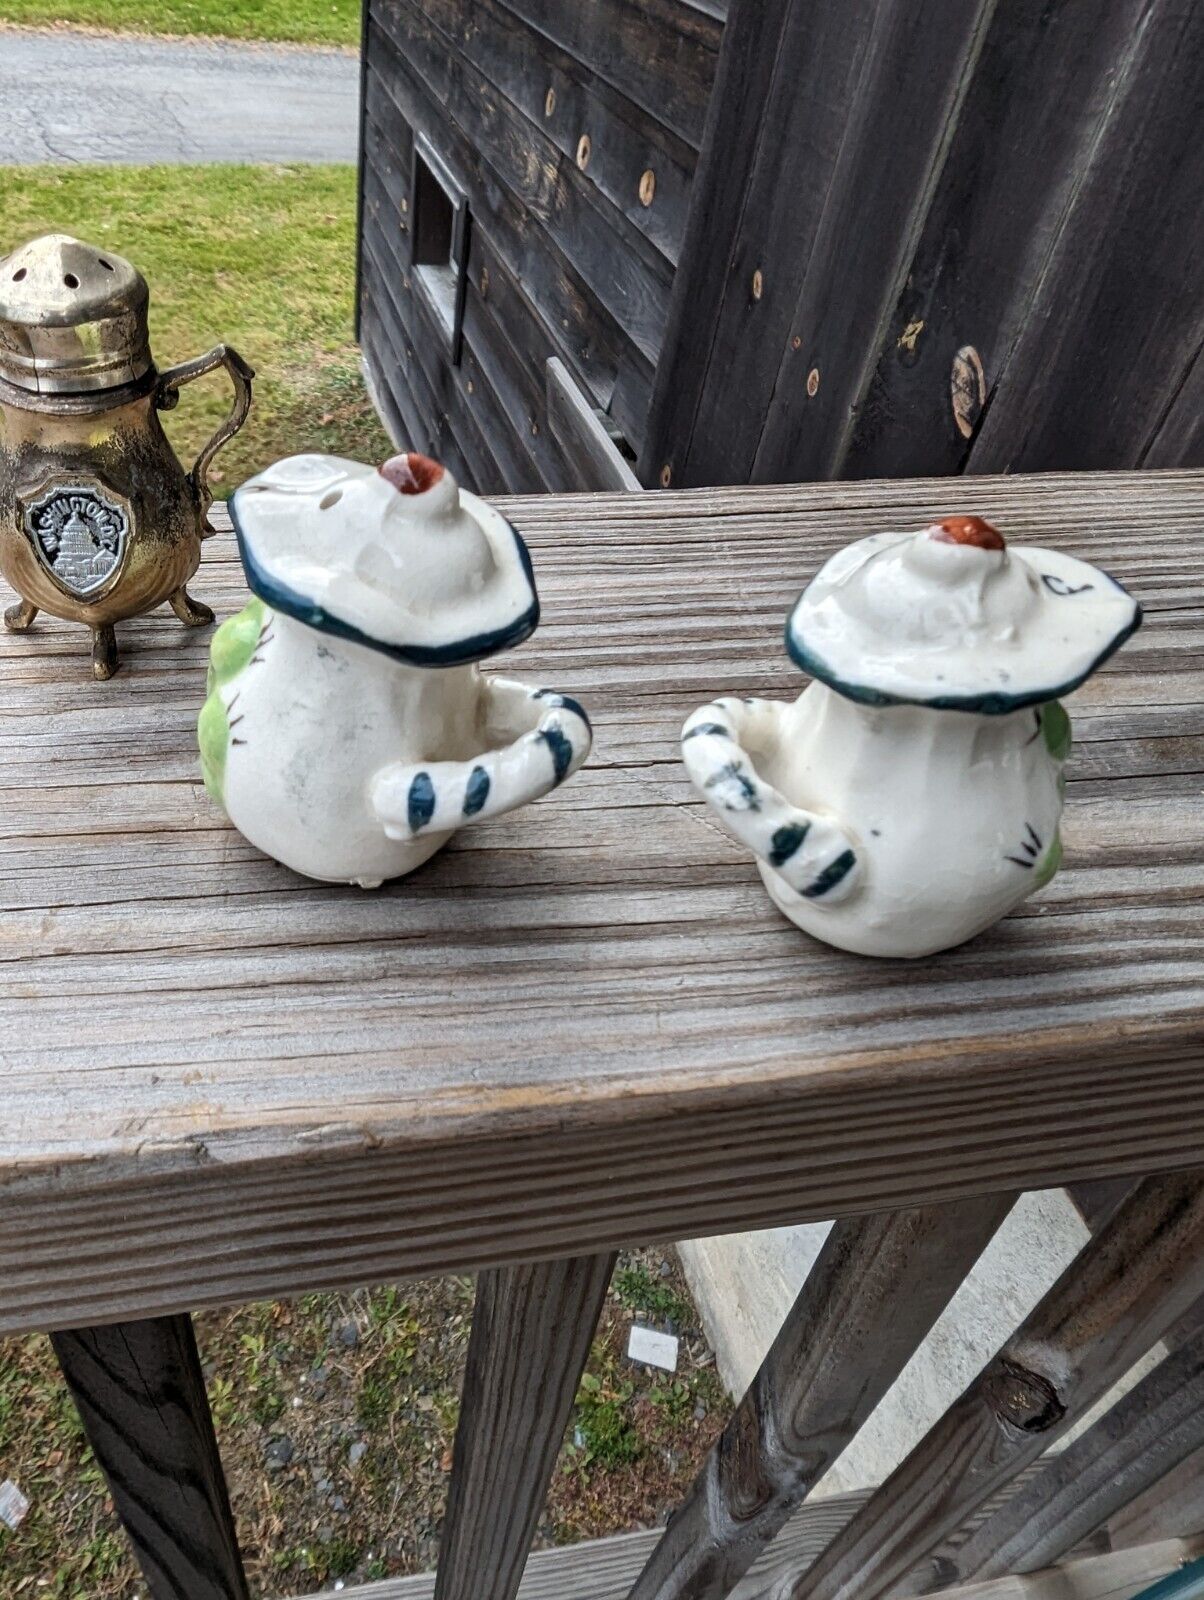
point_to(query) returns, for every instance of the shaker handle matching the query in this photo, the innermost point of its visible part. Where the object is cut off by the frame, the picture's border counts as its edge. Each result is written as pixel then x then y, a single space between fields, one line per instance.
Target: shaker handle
pixel 548 737
pixel 168 396
pixel 813 854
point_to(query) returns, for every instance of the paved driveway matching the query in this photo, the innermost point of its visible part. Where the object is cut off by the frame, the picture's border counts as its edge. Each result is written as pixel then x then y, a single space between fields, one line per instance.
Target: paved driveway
pixel 68 97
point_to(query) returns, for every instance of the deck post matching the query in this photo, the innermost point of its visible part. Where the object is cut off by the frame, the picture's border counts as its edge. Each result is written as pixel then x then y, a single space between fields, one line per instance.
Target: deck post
pixel 141 1397
pixel 1125 1290
pixel 531 1336
pixel 879 1284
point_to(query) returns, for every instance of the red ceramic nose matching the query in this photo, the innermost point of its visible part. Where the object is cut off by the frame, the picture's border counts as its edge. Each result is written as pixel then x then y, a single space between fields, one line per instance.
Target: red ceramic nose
pixel 969 530
pixel 410 473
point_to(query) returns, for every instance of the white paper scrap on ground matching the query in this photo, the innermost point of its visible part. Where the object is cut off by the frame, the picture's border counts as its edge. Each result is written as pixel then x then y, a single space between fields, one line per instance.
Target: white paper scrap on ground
pixel 652 1349
pixel 13 1504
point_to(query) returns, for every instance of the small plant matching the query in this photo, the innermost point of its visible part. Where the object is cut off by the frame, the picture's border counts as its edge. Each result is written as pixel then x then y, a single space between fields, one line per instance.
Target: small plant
pixel 607 1438
pixel 650 1296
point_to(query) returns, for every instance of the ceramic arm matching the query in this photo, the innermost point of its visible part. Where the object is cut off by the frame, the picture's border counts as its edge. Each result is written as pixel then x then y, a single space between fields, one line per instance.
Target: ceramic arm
pixel 811 853
pixel 546 738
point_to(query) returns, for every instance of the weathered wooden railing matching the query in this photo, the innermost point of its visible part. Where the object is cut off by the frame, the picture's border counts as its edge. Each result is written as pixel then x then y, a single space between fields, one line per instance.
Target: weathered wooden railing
pixel 587 1027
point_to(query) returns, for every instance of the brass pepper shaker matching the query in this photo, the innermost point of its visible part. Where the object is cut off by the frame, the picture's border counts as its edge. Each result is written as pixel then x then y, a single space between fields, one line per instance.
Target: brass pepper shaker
pixel 98 519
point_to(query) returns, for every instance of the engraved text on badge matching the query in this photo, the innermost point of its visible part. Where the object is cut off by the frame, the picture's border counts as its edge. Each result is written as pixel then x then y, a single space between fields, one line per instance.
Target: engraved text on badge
pixel 79 535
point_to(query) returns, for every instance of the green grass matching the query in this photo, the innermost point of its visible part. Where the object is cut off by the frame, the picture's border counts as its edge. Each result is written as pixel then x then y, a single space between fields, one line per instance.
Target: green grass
pixel 334 22
pixel 261 257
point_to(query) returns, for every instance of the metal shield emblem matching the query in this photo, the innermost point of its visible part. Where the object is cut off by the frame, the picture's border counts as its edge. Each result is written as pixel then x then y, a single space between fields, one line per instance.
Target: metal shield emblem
pixel 79 534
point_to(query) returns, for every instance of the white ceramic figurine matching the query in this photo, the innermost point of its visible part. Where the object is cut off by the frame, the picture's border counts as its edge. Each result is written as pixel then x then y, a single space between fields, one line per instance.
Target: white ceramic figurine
pixel 911 796
pixel 348 731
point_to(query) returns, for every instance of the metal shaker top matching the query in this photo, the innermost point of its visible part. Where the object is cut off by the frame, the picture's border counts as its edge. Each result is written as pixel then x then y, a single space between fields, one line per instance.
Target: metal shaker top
pixel 73 318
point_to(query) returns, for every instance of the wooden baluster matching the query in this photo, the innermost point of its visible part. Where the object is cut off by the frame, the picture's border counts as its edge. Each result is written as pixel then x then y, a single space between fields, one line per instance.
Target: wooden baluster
pixel 1124 1291
pixel 879 1284
pixel 1145 1435
pixel 141 1396
pixel 531 1335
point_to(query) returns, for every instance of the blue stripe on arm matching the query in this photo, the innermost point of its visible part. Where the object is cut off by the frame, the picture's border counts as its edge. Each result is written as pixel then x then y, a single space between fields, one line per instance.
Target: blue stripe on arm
pixel 420 805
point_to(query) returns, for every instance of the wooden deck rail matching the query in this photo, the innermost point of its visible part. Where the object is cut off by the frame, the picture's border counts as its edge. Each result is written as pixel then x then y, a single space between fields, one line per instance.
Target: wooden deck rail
pixel 582 1026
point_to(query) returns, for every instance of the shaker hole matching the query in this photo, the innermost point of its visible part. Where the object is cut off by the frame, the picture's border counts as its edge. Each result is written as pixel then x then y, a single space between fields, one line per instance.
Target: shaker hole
pixel 107 265
pixel 331 499
pixel 71 280
pixel 19 274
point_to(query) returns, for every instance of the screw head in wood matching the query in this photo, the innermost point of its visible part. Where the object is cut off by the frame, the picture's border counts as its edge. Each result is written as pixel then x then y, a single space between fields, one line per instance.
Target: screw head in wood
pixel 968 390
pixel 549 104
pixel 758 284
pixel 405 205
pixel 648 188
pixel 796 343
pixel 484 282
pixel 666 475
pixel 813 382
pixel 584 150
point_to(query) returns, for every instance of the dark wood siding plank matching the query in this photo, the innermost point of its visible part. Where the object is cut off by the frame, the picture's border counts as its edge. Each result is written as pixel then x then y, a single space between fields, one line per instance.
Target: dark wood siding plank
pixel 1119 319
pixel 592 342
pixel 1178 439
pixel 735 132
pixel 563 100
pixel 510 380
pixel 435 382
pixel 629 278
pixel 1039 92
pixel 141 1397
pixel 914 73
pixel 660 53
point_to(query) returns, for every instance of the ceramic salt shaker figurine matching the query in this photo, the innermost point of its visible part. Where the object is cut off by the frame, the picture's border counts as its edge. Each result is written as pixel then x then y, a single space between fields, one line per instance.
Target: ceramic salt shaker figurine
pixel 348 731
pixel 911 796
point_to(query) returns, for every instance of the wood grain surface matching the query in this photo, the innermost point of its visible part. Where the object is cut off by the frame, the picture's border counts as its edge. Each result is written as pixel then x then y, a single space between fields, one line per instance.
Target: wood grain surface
pixel 1148 1433
pixel 877 1287
pixel 1126 1288
pixel 584 1023
pixel 141 1396
pixel 531 1334
pixel 602 1569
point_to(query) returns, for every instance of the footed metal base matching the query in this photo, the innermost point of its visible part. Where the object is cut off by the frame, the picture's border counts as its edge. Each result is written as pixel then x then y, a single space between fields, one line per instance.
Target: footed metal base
pixel 19 618
pixel 193 613
pixel 104 651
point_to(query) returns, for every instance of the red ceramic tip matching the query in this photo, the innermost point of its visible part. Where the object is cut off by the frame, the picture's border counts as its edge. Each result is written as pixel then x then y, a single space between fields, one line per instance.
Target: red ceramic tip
pixel 411 473
pixel 969 530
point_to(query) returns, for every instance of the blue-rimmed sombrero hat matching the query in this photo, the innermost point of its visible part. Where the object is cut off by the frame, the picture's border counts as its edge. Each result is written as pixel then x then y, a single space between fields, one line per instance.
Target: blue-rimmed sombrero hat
pixel 397 558
pixel 953 618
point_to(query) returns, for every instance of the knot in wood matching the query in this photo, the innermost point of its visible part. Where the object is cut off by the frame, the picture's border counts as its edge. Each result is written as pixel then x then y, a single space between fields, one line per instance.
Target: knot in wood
pixel 1025 1399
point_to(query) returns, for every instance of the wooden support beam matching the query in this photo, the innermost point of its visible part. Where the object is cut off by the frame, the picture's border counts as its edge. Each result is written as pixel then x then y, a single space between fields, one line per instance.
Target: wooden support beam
pixel 1127 1287
pixel 141 1396
pixel 1176 1501
pixel 877 1288
pixel 531 1335
pixel 1145 1435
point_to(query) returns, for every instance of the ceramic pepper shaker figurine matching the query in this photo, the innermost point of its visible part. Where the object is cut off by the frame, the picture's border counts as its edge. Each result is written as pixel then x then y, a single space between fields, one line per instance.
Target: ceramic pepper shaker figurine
pixel 98 519
pixel 348 730
pixel 911 796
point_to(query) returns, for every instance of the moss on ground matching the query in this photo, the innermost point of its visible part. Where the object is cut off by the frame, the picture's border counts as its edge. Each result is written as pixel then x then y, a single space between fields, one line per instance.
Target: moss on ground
pixel 336 1415
pixel 260 257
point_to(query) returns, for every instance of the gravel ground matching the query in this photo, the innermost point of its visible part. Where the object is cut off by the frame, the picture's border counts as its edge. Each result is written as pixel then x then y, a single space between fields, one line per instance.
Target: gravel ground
pixel 336 1415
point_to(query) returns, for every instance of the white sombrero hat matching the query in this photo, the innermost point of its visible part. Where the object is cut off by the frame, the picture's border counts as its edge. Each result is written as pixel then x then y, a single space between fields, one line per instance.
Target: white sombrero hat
pixel 952 617
pixel 397 558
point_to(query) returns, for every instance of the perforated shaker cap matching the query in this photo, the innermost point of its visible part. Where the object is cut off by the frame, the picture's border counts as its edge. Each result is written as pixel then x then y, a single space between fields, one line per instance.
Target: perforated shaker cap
pixel 73 318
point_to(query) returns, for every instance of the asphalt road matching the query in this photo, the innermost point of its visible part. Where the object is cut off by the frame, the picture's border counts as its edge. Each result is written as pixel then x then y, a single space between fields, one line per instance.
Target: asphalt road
pixel 70 97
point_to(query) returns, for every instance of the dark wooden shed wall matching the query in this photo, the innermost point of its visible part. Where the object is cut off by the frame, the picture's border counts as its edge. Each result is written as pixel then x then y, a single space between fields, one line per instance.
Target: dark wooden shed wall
pixel 566 259
pixel 888 183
